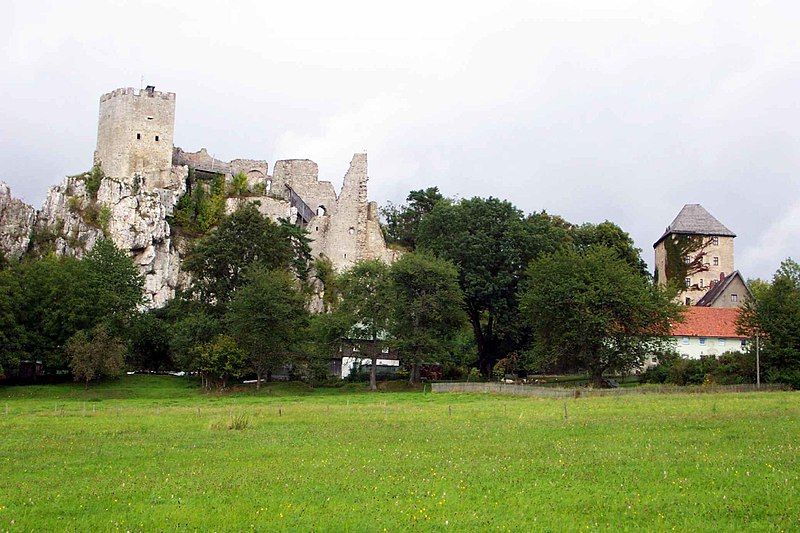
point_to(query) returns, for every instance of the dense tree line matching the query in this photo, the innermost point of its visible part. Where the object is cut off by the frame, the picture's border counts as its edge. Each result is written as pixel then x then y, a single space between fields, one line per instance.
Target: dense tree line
pixel 479 285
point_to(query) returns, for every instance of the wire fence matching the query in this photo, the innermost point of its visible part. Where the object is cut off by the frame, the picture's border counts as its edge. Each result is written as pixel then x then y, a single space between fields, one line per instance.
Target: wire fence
pixel 558 392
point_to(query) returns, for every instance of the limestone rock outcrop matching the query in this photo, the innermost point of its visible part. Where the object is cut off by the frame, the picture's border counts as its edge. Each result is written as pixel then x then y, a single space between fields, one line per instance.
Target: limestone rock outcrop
pixel 16 223
pixel 134 217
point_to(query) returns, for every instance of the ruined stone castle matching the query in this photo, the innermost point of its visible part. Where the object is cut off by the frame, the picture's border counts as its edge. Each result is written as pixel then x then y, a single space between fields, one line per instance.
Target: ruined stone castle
pixel 143 177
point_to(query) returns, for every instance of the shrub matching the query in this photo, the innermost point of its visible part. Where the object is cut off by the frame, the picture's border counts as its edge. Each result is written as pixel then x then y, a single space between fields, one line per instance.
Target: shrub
pixel 74 204
pixel 238 422
pixel 93 180
pixel 95 356
pixel 104 218
pixel 238 186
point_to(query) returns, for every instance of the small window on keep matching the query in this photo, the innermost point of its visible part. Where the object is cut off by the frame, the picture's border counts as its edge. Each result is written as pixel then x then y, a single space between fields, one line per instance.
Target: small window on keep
pixel 156 137
pixel 734 298
pixel 138 136
pixel 715 241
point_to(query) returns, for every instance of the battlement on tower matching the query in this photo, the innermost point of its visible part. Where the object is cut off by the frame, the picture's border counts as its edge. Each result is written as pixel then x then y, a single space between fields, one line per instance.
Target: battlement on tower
pixel 130 91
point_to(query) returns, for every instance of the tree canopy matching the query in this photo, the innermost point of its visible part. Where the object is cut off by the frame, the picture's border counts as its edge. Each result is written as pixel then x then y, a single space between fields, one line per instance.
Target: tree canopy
pixel 402 222
pixel 774 316
pixel 490 242
pixel 591 310
pixel 426 312
pixel 267 317
pixel 366 307
pixel 218 262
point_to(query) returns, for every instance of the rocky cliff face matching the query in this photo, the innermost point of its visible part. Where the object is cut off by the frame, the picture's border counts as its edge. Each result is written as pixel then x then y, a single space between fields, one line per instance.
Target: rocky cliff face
pixel 72 219
pixel 16 224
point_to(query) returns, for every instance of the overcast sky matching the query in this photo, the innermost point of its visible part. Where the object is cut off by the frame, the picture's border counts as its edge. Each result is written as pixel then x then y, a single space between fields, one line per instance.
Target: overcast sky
pixel 624 112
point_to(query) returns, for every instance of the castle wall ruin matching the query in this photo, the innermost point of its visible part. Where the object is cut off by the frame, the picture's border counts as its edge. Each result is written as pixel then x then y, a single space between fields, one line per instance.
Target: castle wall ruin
pixel 145 176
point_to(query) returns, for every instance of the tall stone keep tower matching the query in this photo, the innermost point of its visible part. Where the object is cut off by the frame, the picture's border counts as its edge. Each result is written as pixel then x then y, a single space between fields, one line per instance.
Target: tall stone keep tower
pixel 135 133
pixel 711 257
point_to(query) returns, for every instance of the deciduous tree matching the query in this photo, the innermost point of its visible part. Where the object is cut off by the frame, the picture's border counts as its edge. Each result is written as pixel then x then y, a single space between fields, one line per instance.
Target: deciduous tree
pixel 592 310
pixel 218 261
pixel 426 312
pixel 774 316
pixel 94 355
pixel 267 317
pixel 366 307
pixel 491 242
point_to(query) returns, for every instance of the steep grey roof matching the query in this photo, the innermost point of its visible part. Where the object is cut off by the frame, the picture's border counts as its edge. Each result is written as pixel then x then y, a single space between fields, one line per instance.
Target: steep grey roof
pixel 695 220
pixel 711 296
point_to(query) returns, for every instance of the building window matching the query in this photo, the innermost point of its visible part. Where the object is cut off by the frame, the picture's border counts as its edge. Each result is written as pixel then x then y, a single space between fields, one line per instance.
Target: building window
pixel 385 349
pixel 721 342
pixel 316 228
pixel 744 343
pixel 268 187
pixel 715 241
pixel 716 261
pixel 734 298
pixel 685 340
pixel 138 136
pixel 688 281
pixel 702 341
pixel 688 301
pixel 321 211
pixel 701 283
pixel 156 137
pixel 351 231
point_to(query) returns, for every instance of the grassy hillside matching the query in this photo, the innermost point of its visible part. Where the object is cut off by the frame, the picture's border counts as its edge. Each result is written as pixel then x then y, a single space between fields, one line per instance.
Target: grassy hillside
pixel 155 453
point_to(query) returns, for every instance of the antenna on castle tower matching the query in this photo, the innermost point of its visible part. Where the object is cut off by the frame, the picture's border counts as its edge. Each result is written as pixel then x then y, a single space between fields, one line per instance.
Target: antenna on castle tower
pixel 141 82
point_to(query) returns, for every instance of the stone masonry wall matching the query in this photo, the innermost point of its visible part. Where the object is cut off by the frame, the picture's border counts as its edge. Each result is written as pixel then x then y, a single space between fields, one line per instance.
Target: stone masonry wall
pixel 700 282
pixel 135 134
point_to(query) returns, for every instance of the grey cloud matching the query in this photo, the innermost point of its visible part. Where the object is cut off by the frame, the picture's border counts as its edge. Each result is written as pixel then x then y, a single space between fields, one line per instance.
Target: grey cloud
pixel 613 110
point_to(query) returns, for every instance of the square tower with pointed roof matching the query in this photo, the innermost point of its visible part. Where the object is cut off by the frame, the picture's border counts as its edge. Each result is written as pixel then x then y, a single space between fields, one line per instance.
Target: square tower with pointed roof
pixel 696 250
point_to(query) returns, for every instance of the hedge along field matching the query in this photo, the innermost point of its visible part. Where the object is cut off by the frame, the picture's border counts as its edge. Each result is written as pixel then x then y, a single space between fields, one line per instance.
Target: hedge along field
pixel 154 453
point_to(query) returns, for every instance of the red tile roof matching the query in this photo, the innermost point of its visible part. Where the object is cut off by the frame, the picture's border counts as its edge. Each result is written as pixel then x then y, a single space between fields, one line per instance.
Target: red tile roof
pixel 708 322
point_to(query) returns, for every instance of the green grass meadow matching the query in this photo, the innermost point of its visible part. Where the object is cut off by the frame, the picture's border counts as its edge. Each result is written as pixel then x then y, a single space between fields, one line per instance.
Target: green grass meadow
pixel 154 453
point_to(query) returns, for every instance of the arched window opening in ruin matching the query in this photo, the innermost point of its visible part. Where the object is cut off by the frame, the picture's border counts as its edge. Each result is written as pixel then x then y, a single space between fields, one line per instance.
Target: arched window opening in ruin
pixel 321 211
pixel 268 186
pixel 351 231
pixel 156 137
